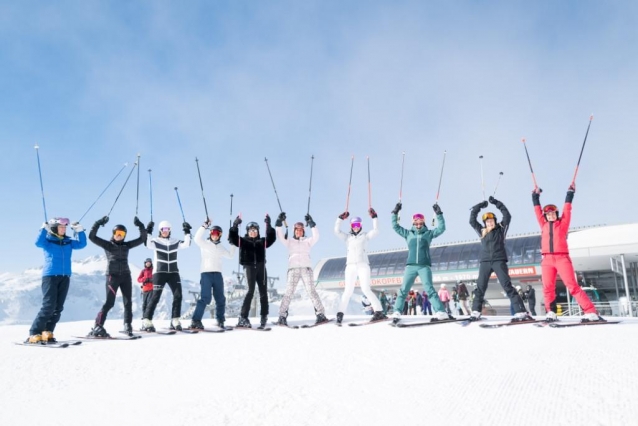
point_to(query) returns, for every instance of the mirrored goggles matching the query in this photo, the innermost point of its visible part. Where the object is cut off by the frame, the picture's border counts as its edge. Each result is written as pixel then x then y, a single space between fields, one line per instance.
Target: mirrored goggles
pixel 61 221
pixel 120 233
pixel 215 233
pixel 355 225
pixel 165 229
pixel 418 216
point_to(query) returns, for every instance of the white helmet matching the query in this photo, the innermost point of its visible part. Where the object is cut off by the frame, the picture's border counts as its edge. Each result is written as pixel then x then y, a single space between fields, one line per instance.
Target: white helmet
pixel 443 286
pixel 165 224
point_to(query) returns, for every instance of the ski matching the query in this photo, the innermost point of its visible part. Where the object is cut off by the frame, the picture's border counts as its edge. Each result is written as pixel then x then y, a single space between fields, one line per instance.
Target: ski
pixel 160 332
pixel 284 325
pixel 507 324
pixel 316 325
pixel 108 338
pixel 357 324
pixel 205 330
pixel 577 324
pixel 43 345
pixel 69 342
pixel 183 330
pixel 260 328
pixel 420 324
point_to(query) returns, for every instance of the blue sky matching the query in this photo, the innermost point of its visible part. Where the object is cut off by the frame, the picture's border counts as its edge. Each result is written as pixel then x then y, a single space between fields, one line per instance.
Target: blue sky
pixel 95 83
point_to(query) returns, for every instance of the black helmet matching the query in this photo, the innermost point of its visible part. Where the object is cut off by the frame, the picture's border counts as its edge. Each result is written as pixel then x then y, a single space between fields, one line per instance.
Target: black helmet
pixel 119 228
pixel 216 229
pixel 148 260
pixel 252 225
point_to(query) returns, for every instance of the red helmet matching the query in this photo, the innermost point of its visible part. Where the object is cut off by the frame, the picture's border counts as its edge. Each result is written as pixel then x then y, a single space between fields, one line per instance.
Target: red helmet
pixel 550 208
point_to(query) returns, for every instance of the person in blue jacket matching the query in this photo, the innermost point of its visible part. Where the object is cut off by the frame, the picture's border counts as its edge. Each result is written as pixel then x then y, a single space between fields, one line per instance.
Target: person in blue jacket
pixel 56 275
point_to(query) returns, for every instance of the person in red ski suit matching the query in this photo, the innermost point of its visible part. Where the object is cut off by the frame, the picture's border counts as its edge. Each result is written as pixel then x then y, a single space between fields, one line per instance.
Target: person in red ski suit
pixel 146 279
pixel 556 260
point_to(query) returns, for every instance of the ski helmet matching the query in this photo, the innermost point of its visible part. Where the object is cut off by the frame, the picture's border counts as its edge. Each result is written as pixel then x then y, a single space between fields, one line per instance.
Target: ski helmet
pixel 300 225
pixel 148 260
pixel 489 215
pixel 355 222
pixel 550 208
pixel 165 224
pixel 53 223
pixel 418 216
pixel 251 225
pixel 216 230
pixel 120 228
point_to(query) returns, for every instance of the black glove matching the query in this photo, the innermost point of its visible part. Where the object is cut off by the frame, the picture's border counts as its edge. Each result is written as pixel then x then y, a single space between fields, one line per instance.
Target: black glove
pixel 237 222
pixel 267 220
pixel 186 227
pixel 344 215
pixel 492 200
pixel 437 209
pixel 536 198
pixel 480 206
pixel 570 193
pixel 280 219
pixel 372 213
pixel 137 222
pixel 397 208
pixel 311 223
pixel 150 226
pixel 103 221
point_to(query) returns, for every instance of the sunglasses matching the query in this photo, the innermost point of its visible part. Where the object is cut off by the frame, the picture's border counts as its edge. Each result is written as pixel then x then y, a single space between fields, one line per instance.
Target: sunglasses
pixel 120 233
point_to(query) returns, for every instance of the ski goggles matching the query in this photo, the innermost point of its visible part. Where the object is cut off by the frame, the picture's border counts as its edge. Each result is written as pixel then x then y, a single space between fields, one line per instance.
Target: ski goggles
pixel 215 233
pixel 550 208
pixel 120 233
pixel 355 225
pixel 418 216
pixel 60 221
pixel 165 229
pixel 489 215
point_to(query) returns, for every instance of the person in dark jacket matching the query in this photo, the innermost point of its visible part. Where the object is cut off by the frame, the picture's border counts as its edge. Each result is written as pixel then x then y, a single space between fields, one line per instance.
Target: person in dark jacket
pixel 530 295
pixel 56 275
pixel 252 256
pixel 118 273
pixel 493 257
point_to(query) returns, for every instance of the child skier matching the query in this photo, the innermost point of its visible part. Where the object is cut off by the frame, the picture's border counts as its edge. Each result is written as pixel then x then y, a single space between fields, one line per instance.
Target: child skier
pixel 146 279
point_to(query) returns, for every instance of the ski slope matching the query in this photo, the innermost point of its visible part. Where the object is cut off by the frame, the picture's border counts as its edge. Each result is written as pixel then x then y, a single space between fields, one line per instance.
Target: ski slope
pixel 373 375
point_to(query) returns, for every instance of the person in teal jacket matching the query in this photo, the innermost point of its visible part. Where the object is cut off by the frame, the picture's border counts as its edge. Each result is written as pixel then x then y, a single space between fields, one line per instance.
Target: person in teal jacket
pixel 419 238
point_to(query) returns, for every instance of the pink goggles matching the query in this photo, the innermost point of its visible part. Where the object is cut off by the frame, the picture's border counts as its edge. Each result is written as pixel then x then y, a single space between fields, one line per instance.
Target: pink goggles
pixel 355 225
pixel 60 221
pixel 418 216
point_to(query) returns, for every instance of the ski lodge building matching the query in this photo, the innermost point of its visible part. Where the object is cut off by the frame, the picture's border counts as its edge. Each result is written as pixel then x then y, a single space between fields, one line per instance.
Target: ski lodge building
pixel 605 259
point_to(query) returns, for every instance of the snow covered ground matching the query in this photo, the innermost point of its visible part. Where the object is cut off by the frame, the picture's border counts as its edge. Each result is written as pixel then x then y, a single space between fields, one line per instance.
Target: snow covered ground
pixel 373 375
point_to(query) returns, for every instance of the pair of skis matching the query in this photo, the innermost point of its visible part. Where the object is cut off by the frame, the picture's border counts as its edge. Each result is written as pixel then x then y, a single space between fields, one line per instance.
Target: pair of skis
pixel 311 325
pixel 57 345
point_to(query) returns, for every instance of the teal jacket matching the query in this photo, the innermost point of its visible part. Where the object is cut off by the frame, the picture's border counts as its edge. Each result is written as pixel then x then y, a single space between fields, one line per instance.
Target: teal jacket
pixel 419 240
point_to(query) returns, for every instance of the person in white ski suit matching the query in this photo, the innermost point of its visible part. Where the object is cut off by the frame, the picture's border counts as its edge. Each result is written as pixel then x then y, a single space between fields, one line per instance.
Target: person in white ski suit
pixel 211 279
pixel 357 263
pixel 299 266
pixel 166 272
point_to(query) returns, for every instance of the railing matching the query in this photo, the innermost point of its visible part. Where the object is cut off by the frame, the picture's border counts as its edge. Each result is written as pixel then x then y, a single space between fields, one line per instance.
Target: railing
pixel 615 309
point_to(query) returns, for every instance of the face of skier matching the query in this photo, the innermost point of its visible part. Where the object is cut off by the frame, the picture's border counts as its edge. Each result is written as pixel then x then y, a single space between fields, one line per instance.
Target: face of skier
pixel 147 264
pixel 61 229
pixel 490 223
pixel 165 232
pixel 551 216
pixel 418 223
pixel 356 227
pixel 253 232
pixel 299 232
pixel 215 235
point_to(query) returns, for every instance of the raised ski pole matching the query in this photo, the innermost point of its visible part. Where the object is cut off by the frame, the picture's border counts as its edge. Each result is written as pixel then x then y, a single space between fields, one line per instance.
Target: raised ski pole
pixel 102 193
pixel 482 179
pixel 180 205
pixel 123 186
pixel 275 188
pixel 500 174
pixel 349 184
pixel 591 117
pixel 231 211
pixel 438 191
pixel 137 196
pixel 530 165
pixel 44 205
pixel 150 190
pixel 312 160
pixel 201 185
pixel 369 186
pixel 401 185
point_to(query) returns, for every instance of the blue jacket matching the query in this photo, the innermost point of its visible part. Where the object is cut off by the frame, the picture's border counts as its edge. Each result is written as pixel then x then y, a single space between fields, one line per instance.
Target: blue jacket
pixel 419 240
pixel 57 251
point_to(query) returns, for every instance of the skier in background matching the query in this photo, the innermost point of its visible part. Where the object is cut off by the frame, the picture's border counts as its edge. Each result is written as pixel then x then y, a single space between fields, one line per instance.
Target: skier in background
pixel 146 279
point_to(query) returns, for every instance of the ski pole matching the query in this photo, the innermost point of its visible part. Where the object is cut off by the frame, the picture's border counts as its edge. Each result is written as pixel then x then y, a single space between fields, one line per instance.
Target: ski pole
pixel 276 195
pixel 150 190
pixel 123 186
pixel 497 182
pixel 369 186
pixel 230 224
pixel 438 191
pixel 202 186
pixel 99 196
pixel 401 185
pixel 349 183
pixel 530 165
pixel 591 117
pixel 44 206
pixel 137 196
pixel 312 160
pixel 180 205
pixel 482 180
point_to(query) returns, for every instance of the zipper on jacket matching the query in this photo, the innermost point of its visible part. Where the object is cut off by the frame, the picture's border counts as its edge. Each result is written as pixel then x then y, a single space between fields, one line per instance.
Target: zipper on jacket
pixel 551 237
pixel 418 244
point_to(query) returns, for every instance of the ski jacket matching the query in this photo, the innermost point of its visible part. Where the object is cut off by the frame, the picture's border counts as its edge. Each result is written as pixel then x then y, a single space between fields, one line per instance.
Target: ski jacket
pixel 444 295
pixel 419 240
pixel 554 234
pixel 252 250
pixel 212 254
pixel 463 293
pixel 298 249
pixel 146 279
pixel 356 243
pixel 493 242
pixel 117 251
pixel 57 251
pixel 531 295
pixel 166 252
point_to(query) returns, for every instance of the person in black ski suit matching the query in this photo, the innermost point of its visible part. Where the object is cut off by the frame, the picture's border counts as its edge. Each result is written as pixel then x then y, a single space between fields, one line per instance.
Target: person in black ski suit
pixel 494 258
pixel 252 256
pixel 118 273
pixel 531 299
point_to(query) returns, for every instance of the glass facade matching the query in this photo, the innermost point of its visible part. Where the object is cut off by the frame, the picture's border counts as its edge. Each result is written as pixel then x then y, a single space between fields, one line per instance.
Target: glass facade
pixel 457 257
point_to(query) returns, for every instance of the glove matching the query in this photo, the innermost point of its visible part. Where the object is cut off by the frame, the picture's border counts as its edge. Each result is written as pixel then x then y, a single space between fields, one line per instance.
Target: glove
pixel 480 205
pixel 77 227
pixel 103 221
pixel 311 223
pixel 570 194
pixel 137 222
pixel 372 213
pixel 397 208
pixel 536 198
pixel 437 209
pixel 149 227
pixel 46 226
pixel 186 227
pixel 206 223
pixel 267 220
pixel 344 215
pixel 237 222
pixel 493 200
pixel 280 219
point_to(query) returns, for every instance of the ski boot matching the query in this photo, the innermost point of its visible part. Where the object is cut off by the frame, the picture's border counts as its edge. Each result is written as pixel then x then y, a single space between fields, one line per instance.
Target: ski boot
pixel 147 325
pixel 263 321
pixel 339 317
pixel 99 331
pixel 243 323
pixel 321 318
pixel 441 316
pixel 35 339
pixel 593 317
pixel 47 337
pixel 128 329
pixel 282 321
pixel 176 324
pixel 196 325
pixel 378 316
pixel 396 317
pixel 551 317
pixel 220 324
pixel 475 316
pixel 522 317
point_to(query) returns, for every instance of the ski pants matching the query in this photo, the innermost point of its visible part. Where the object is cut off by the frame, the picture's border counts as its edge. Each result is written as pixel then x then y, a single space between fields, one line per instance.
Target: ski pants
pixel 502 273
pixel 146 298
pixel 426 309
pixel 532 306
pixel 54 291
pixel 255 275
pixel 425 273
pixel 125 284
pixel 160 279
pixel 464 307
pixel 211 284
pixel 362 270
pixel 294 275
pixel 561 264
